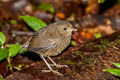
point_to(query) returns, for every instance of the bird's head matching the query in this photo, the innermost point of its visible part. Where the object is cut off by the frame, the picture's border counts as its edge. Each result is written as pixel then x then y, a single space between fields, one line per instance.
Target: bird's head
pixel 64 28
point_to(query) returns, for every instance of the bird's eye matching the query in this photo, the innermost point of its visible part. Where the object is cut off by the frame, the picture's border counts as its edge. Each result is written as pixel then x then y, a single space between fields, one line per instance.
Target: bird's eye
pixel 65 28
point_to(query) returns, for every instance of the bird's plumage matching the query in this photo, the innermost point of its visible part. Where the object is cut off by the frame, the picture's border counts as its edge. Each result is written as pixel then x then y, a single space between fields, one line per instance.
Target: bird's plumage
pixel 49 41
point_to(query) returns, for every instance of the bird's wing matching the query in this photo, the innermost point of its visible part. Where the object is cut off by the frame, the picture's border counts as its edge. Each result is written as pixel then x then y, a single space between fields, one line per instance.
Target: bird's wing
pixel 43 46
pixel 43 40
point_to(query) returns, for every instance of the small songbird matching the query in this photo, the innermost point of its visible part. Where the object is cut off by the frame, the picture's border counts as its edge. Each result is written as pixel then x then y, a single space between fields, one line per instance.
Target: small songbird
pixel 51 41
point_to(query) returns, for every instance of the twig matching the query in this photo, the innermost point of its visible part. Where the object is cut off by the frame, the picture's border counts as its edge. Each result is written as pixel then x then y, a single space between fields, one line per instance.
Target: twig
pixel 22 33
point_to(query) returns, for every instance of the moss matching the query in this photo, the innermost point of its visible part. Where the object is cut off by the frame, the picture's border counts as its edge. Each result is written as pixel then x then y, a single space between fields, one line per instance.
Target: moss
pixel 101 48
pixel 105 41
pixel 70 62
pixel 78 53
pixel 97 46
pixel 104 44
pixel 59 58
pixel 114 43
pixel 90 61
pixel 118 41
pixel 74 72
pixel 118 36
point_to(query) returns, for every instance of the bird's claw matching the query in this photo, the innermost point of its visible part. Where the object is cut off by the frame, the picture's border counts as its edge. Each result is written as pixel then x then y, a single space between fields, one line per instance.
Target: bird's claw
pixel 46 70
pixel 59 66
pixel 55 72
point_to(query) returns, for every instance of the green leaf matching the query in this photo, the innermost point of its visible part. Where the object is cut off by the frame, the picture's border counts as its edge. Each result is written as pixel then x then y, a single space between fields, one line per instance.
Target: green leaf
pixel 13 22
pixel 34 22
pixel 101 1
pixel 2 38
pixel 115 72
pixel 19 67
pixel 22 50
pixel 1 77
pixel 117 64
pixel 118 1
pixel 46 7
pixel 98 35
pixel 14 49
pixel 3 53
pixel 73 43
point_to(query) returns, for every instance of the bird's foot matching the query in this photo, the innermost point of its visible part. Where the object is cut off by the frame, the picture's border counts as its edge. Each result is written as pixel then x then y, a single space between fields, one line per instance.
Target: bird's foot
pixel 55 72
pixel 59 66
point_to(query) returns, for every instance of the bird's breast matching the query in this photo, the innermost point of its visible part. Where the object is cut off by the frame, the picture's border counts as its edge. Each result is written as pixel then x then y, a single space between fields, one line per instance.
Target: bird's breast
pixel 60 46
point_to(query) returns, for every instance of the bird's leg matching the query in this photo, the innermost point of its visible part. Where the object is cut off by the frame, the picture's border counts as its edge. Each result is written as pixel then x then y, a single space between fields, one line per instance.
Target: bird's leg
pixel 57 65
pixel 49 67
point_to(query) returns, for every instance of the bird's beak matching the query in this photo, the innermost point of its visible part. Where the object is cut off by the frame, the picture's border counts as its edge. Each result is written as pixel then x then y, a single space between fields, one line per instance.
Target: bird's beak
pixel 74 29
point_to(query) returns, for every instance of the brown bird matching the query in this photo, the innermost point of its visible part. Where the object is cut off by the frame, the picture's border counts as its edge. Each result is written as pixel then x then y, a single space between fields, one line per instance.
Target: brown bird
pixel 51 41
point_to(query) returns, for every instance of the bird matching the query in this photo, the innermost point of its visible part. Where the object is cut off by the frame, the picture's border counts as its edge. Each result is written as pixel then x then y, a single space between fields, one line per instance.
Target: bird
pixel 51 40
